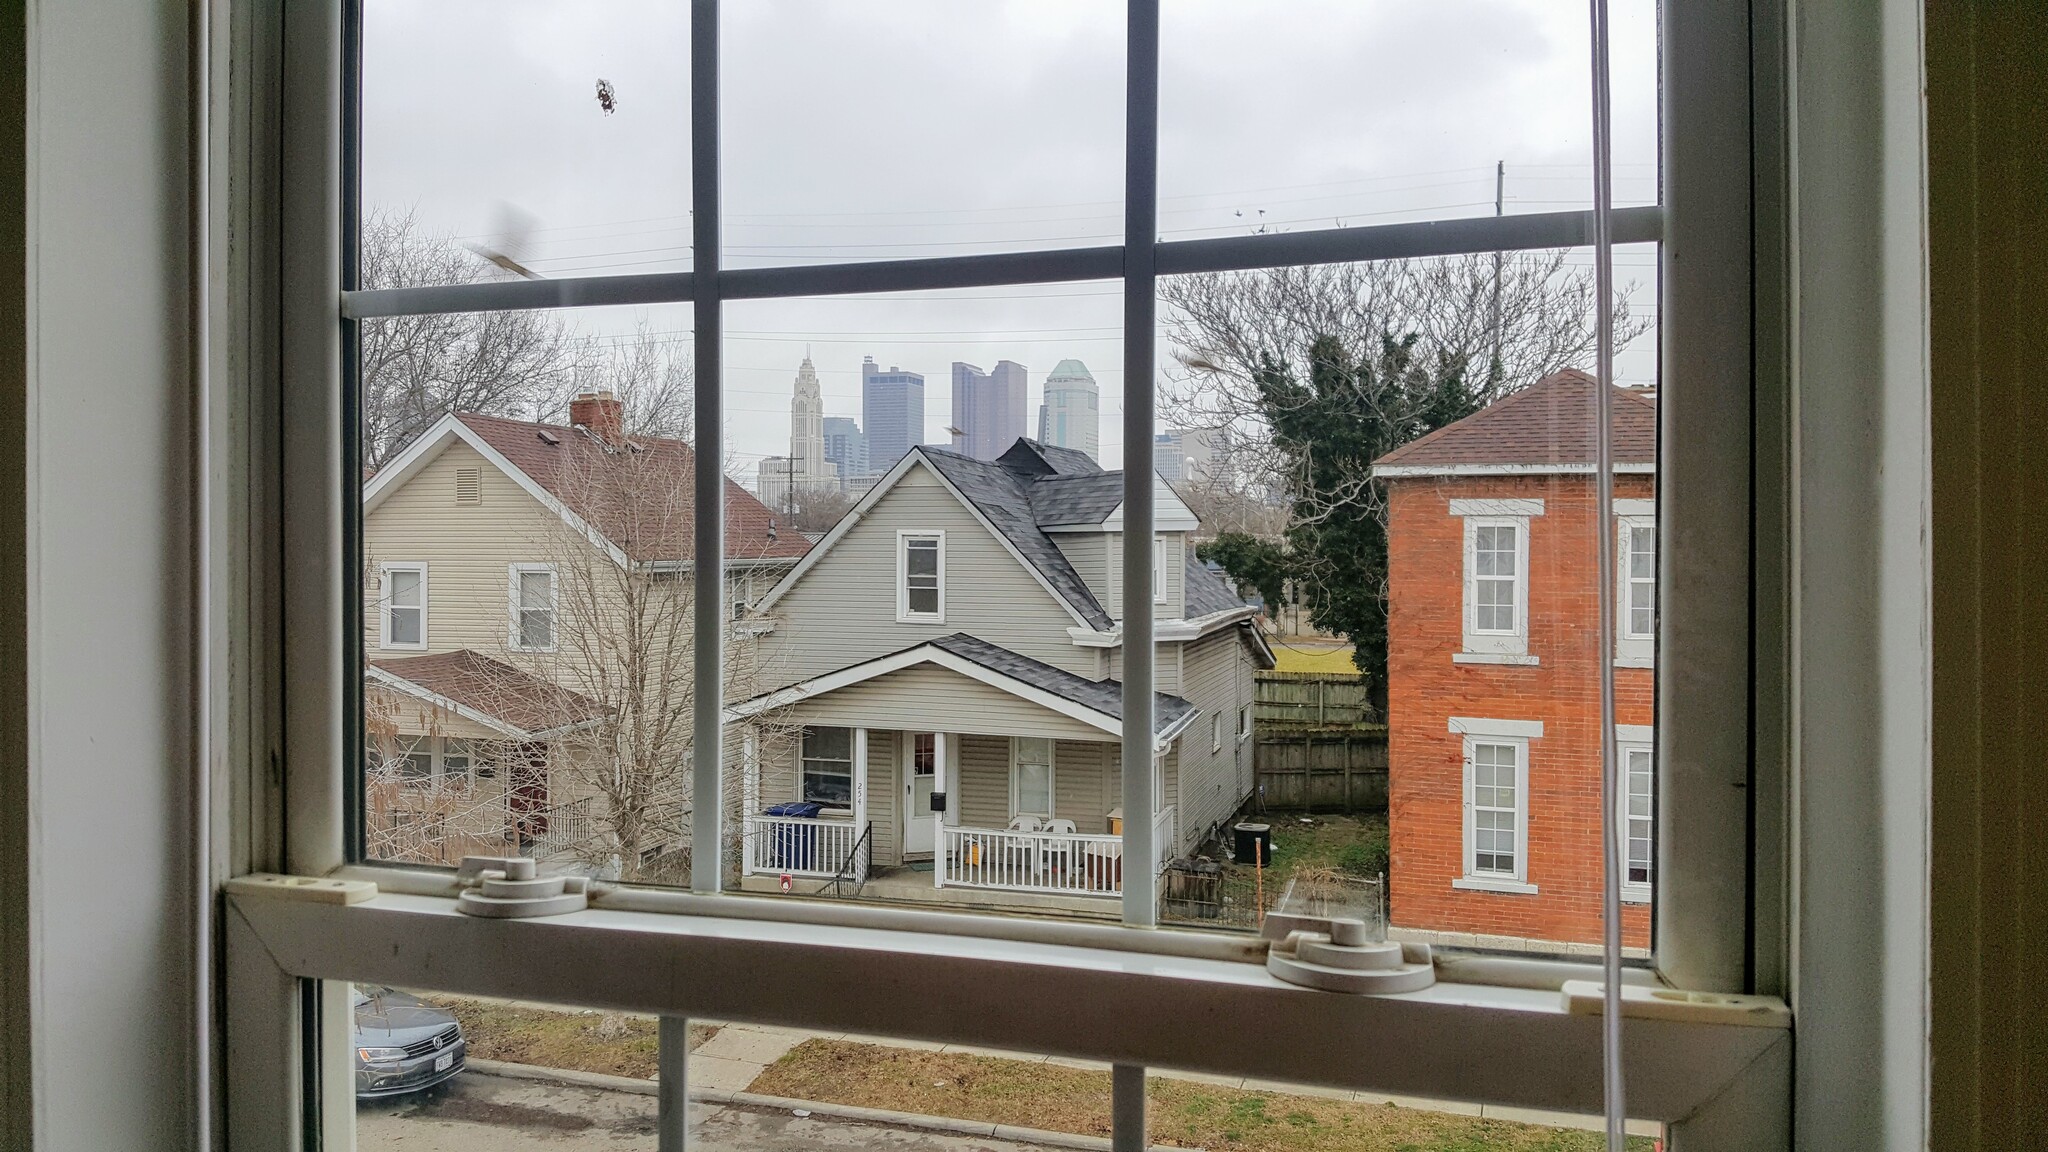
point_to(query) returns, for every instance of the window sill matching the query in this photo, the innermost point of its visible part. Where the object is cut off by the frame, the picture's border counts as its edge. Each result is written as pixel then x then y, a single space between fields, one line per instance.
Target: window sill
pixel 950 979
pixel 909 618
pixel 1488 884
pixel 1517 658
pixel 1635 895
pixel 1635 661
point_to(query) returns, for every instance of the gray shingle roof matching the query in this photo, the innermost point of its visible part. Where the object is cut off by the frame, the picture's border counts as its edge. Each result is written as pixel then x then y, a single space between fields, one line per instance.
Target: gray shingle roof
pixel 1076 499
pixel 1003 496
pixel 1030 456
pixel 1105 696
pixel 1207 593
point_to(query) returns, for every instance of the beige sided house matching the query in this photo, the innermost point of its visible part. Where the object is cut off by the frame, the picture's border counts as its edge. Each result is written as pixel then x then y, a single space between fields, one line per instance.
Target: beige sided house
pixel 947 659
pixel 493 549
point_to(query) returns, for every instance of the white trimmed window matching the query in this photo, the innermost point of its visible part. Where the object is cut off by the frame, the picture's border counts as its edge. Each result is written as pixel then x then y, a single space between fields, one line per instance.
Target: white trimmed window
pixel 828 766
pixel 1496 562
pixel 921 577
pixel 1496 801
pixel 1244 722
pixel 1636 824
pixel 404 614
pixel 533 607
pixel 1216 731
pixel 1031 776
pixel 1159 569
pixel 1635 599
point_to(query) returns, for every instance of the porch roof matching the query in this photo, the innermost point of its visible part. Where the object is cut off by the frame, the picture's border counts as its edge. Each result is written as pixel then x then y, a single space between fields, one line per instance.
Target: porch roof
pixel 515 703
pixel 1095 702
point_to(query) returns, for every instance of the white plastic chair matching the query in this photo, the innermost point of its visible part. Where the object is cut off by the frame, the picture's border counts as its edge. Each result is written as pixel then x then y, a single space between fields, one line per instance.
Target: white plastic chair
pixel 1025 824
pixel 1060 852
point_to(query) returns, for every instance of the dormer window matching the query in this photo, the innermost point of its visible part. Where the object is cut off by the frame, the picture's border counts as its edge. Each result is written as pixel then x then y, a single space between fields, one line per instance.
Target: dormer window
pixel 921 577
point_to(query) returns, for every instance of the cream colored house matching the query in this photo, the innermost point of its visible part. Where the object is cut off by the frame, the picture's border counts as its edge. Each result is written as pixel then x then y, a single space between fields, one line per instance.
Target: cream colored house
pixel 944 665
pixel 495 624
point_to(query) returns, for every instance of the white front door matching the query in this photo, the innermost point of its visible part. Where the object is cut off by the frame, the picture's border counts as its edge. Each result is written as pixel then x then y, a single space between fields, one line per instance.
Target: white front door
pixel 920 775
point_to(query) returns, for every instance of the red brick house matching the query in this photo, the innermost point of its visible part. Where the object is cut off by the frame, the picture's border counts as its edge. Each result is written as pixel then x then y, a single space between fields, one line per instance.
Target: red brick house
pixel 1493 689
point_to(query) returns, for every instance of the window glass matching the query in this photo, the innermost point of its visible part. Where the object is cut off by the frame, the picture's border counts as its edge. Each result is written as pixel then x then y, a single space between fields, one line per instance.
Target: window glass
pixel 921 575
pixel 405 606
pixel 1640 563
pixel 1034 776
pixel 1494 577
pixel 1496 801
pixel 564 153
pixel 828 766
pixel 861 131
pixel 1638 820
pixel 536 598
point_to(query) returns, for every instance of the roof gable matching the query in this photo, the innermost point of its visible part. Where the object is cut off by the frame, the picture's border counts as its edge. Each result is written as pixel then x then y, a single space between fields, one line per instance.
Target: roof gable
pixel 599 490
pixel 488 691
pixel 1547 426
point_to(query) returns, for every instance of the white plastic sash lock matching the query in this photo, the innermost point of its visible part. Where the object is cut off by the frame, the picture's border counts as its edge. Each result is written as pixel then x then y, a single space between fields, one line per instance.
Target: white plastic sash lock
pixel 1333 954
pixel 505 888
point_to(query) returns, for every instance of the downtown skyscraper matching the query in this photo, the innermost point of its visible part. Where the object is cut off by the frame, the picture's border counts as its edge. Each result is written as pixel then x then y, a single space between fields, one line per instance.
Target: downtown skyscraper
pixel 989 408
pixel 1071 416
pixel 891 413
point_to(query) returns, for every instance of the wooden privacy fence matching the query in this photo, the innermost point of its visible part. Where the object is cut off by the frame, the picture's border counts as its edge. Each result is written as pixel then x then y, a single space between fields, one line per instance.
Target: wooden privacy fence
pixel 1344 771
pixel 1311 700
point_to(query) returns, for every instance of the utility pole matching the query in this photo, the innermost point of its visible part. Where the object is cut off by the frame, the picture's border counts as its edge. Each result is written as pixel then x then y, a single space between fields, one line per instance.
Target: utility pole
pixel 1500 184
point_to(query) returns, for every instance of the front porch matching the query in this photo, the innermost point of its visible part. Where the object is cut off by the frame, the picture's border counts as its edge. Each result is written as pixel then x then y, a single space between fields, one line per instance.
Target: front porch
pixel 983 868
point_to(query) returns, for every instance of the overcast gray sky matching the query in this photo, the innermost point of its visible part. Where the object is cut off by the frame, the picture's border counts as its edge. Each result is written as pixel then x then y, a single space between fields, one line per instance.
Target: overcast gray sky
pixel 877 129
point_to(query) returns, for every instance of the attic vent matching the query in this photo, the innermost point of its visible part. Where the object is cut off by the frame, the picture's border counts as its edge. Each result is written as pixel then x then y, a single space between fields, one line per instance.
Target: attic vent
pixel 469 485
pixel 547 437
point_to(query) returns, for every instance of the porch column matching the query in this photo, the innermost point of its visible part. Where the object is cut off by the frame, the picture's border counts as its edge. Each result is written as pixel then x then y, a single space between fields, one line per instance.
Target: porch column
pixel 750 793
pixel 860 781
pixel 942 748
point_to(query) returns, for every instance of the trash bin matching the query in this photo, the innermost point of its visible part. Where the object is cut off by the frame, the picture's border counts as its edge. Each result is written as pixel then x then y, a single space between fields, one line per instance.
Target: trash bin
pixel 796 844
pixel 1253 844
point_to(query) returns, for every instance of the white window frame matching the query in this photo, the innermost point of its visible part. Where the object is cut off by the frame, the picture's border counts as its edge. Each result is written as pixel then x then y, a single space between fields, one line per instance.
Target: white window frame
pixel 1051 777
pixel 1159 570
pixel 516 634
pixel 1500 733
pixel 1494 646
pixel 1216 730
pixel 904 615
pixel 852 762
pixel 384 605
pixel 1636 739
pixel 267 941
pixel 1244 723
pixel 1633 649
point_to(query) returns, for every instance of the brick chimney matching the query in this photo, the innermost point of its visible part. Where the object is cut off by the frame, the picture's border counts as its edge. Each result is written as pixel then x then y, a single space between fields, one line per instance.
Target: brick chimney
pixel 600 414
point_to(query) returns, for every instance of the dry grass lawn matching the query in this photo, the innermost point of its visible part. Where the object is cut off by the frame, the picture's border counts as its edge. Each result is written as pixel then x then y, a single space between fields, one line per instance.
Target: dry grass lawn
pixel 1312 658
pixel 1183 1112
pixel 612 1043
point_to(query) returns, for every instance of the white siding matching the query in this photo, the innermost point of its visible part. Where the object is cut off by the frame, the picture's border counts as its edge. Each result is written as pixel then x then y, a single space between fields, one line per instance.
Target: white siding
pixel 843 610
pixel 1088 552
pixel 1174 583
pixel 1166 666
pixel 928 698
pixel 985 781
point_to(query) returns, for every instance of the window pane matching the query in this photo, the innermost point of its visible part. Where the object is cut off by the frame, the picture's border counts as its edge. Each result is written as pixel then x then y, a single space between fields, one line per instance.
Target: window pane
pixel 1342 113
pixel 565 152
pixel 593 409
pixel 861 131
pixel 828 743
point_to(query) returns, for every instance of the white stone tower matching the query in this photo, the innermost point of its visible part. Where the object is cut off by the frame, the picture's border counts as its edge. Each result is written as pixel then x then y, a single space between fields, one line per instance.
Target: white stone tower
pixel 807 427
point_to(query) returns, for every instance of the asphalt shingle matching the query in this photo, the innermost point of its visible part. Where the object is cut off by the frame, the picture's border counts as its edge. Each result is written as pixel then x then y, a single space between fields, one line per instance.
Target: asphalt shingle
pixel 1003 496
pixel 1105 696
pixel 1548 423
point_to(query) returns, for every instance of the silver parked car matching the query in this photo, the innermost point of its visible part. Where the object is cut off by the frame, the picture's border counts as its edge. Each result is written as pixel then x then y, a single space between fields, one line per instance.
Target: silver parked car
pixel 402 1045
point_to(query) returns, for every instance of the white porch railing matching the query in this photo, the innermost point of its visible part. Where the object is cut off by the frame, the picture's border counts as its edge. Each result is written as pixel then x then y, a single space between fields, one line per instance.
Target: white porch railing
pixel 1077 864
pixel 1165 834
pixel 803 846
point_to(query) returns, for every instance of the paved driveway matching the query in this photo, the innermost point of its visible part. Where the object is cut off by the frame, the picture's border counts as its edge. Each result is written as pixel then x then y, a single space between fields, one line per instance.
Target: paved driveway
pixel 478 1113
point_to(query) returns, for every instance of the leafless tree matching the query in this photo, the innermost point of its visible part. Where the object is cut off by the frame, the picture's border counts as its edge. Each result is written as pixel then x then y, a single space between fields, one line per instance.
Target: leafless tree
pixel 1503 321
pixel 416 369
pixel 620 637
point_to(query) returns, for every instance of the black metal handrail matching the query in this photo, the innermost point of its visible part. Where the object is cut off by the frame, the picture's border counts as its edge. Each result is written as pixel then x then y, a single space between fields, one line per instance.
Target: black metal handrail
pixel 848 872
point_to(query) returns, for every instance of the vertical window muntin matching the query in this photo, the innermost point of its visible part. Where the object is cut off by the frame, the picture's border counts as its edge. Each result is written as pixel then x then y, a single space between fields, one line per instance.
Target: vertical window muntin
pixel 402 607
pixel 1031 776
pixel 921 577
pixel 534 601
pixel 827 770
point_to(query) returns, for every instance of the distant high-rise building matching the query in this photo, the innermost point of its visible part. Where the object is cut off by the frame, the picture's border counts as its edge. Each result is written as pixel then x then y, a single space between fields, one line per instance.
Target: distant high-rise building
pixel 891 413
pixel 846 449
pixel 1184 454
pixel 807 426
pixel 1071 416
pixel 990 409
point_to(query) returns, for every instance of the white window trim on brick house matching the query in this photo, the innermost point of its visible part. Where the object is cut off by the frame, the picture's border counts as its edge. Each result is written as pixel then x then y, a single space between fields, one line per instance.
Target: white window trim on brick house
pixel 1511 733
pixel 384 605
pixel 1636 738
pixel 904 615
pixel 1490 646
pixel 1631 649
